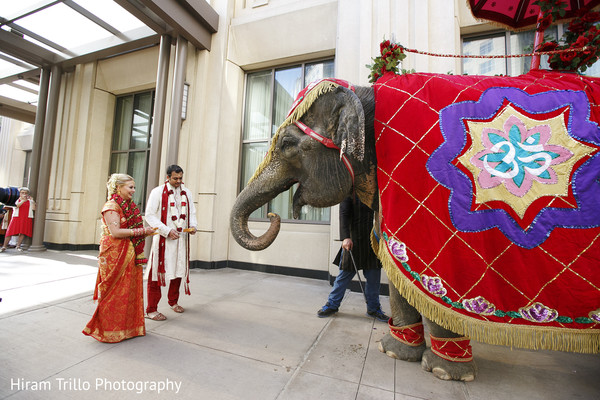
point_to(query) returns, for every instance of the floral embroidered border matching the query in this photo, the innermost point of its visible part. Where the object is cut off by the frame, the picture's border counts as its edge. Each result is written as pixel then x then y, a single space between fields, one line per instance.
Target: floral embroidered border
pixel 536 312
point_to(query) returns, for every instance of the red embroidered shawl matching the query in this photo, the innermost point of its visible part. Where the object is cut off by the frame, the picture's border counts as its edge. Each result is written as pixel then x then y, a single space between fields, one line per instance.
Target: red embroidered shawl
pixel 162 240
pixel 490 201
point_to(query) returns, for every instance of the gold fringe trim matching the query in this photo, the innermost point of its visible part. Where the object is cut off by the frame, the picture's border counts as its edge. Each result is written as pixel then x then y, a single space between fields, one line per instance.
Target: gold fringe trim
pixel 374 242
pixel 519 336
pixel 301 109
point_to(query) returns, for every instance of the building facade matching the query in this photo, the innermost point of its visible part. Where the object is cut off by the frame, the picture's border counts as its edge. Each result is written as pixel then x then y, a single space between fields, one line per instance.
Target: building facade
pixel 263 53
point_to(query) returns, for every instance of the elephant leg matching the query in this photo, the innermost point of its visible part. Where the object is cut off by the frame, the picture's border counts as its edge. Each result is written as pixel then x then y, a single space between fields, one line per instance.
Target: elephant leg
pixel 443 368
pixel 405 340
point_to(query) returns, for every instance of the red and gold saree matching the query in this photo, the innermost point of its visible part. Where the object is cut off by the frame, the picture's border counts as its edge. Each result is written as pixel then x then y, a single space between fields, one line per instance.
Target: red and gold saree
pixel 119 288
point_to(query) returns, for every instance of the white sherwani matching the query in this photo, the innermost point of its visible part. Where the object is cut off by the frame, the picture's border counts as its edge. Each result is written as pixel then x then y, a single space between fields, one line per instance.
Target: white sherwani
pixel 176 260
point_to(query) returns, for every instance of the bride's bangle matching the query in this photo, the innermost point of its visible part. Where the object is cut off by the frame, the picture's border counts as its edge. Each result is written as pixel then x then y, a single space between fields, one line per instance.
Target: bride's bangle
pixel 138 232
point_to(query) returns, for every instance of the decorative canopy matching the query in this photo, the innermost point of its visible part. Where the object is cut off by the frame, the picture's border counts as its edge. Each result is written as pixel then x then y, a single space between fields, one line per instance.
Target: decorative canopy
pixel 521 14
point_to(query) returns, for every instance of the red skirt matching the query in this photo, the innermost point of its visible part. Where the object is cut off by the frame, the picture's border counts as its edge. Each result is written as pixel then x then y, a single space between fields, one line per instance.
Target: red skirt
pixel 21 224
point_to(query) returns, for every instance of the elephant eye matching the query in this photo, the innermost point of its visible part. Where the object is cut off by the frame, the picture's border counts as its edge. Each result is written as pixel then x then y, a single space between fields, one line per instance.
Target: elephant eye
pixel 288 142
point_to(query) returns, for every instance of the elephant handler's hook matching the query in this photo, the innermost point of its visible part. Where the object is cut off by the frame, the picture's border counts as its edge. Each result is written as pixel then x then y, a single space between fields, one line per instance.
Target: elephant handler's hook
pixel 357 274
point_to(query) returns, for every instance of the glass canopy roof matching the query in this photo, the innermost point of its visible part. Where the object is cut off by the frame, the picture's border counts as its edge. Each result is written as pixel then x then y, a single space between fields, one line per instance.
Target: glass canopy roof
pixel 37 34
pixel 68 29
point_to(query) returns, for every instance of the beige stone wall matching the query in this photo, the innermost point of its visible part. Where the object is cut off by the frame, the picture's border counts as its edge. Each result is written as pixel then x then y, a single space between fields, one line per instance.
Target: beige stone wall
pixel 82 144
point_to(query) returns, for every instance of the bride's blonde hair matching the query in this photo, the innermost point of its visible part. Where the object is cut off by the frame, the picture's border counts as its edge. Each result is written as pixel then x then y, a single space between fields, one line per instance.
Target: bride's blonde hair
pixel 115 181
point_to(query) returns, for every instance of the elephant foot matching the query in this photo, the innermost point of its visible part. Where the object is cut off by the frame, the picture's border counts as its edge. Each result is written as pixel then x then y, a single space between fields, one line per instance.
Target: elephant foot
pixel 448 370
pixel 400 351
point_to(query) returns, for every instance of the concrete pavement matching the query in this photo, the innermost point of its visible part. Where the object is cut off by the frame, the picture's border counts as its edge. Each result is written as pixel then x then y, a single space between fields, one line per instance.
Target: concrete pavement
pixel 244 335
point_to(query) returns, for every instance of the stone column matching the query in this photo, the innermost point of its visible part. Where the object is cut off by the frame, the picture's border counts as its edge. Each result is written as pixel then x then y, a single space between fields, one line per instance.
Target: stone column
pixel 177 100
pixel 38 132
pixel 155 170
pixel 39 223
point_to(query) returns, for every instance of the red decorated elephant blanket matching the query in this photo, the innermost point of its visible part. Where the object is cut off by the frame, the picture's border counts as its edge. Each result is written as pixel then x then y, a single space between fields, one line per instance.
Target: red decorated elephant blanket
pixel 490 203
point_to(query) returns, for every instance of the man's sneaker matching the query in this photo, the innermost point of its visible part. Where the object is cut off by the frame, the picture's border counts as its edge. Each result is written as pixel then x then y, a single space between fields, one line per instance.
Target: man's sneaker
pixel 380 315
pixel 326 311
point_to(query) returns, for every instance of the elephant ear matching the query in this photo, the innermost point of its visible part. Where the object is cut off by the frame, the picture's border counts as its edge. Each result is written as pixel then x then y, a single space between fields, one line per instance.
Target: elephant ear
pixel 350 133
pixel 301 105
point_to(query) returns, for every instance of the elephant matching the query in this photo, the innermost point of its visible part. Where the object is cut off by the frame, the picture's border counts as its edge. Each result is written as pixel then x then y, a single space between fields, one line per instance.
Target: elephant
pixel 328 146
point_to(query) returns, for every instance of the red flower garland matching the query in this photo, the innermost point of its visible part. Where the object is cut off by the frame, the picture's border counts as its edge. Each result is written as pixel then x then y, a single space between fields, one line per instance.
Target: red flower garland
pixel 133 220
pixel 581 39
pixel 391 56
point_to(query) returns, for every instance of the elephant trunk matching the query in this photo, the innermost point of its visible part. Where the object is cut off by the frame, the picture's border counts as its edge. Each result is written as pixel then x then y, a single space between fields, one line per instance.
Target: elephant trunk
pixel 251 198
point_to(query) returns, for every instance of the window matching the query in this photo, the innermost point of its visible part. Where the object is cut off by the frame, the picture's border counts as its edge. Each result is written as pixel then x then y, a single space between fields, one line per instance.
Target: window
pixel 269 96
pixel 131 140
pixel 502 43
pixel 509 43
pixel 594 70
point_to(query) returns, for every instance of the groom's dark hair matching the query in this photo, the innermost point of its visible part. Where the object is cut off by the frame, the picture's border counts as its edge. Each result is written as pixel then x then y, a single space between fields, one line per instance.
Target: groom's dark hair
pixel 174 168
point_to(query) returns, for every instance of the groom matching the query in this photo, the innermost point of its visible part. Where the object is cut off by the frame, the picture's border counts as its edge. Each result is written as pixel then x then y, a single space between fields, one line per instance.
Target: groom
pixel 170 208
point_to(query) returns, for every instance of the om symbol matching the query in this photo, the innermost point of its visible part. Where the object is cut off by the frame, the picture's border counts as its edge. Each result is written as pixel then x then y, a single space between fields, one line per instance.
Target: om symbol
pixel 509 166
pixel 517 156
